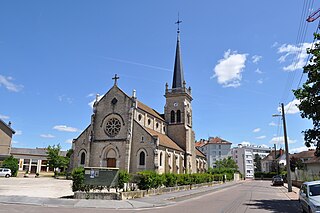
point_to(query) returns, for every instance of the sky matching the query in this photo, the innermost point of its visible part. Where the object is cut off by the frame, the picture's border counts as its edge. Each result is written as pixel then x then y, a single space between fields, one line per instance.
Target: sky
pixel 241 59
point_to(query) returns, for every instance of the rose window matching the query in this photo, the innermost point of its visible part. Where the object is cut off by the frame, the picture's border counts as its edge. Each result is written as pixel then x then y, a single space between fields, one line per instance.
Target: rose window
pixel 113 127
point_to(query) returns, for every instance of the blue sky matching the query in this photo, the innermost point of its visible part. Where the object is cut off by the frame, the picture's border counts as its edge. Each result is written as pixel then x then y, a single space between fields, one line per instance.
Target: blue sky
pixel 240 58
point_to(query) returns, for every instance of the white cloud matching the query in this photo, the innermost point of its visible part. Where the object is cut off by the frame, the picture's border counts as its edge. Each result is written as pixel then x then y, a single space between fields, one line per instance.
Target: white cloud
pixel 47 136
pixel 4 117
pixel 7 83
pixel 15 142
pixel 64 98
pixel 280 140
pixel 69 141
pixel 301 149
pixel 261 137
pixel 272 123
pixel 229 69
pixel 258 71
pixel 260 81
pixel 256 58
pixel 265 146
pixel 297 54
pixel 18 132
pixel 256 130
pixel 92 102
pixel 291 107
pixel 275 44
pixel 245 143
pixel 65 128
pixel 90 95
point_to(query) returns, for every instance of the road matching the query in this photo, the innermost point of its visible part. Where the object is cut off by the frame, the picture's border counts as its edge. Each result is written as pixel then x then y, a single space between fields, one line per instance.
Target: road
pixel 249 197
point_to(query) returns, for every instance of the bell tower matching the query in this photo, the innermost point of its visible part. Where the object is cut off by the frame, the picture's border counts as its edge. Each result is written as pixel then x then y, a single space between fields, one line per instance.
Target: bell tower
pixel 178 110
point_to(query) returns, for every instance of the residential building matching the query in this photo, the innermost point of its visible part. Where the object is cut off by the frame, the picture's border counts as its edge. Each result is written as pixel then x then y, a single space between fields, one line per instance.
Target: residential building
pixel 127 134
pixel 243 156
pixel 274 161
pixel 215 149
pixel 6 133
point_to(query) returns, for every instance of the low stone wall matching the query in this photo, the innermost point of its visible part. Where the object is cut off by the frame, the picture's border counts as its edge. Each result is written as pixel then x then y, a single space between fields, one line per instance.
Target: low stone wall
pixel 297 183
pixel 143 193
pixel 138 193
pixel 97 195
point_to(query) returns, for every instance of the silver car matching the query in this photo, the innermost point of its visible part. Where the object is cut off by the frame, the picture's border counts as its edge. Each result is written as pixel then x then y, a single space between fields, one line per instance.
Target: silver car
pixel 4 172
pixel 309 196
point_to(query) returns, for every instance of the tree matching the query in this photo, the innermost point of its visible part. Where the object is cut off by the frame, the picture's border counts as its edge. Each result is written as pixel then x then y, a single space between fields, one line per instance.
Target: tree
pixel 12 164
pixel 296 162
pixel 309 96
pixel 55 160
pixel 257 160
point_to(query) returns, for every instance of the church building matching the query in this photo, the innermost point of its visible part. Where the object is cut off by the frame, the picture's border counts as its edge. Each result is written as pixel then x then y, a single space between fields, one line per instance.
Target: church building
pixel 125 133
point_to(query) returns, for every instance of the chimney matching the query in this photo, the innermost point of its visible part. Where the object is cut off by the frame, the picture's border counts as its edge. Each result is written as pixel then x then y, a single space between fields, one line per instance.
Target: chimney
pixel 9 124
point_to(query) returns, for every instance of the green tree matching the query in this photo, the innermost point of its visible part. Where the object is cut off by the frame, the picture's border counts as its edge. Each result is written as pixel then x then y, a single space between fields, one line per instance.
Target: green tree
pixel 55 160
pixel 257 160
pixel 309 98
pixel 296 162
pixel 12 164
pixel 227 163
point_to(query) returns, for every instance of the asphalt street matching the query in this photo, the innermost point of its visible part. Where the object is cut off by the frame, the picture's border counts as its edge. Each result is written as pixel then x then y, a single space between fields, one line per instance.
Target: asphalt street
pixel 247 197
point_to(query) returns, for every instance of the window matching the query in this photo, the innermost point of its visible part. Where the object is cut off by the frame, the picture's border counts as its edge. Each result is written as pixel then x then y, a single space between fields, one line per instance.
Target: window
pixel 113 127
pixel 160 159
pixel 83 158
pixel 164 129
pixel 142 139
pixel 172 116
pixel 219 146
pixel 157 125
pixel 178 116
pixel 142 159
pixel 149 121
pixel 139 117
pixel 219 153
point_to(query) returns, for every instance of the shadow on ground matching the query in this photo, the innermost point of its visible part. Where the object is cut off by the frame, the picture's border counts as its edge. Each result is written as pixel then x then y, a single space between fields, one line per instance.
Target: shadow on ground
pixel 279 206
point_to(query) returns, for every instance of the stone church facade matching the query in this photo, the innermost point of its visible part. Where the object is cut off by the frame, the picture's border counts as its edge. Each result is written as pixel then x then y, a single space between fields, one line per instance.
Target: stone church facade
pixel 124 133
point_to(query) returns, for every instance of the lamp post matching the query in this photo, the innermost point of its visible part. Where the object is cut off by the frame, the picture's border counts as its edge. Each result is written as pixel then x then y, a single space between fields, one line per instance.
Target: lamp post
pixel 286 146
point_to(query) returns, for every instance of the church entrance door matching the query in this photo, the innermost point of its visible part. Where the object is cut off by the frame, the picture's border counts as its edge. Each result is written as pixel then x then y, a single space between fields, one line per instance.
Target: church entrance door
pixel 111 162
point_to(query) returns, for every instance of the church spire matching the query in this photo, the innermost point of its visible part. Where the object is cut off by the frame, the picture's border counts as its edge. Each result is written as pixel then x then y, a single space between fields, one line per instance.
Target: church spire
pixel 178 76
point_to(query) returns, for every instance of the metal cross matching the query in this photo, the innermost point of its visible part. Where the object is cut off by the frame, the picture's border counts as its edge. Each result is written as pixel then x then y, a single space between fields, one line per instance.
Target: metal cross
pixel 115 78
pixel 178 23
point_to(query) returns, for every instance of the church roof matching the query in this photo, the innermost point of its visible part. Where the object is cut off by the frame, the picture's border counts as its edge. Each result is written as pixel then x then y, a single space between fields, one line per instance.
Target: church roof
pixel 178 77
pixel 199 153
pixel 164 140
pixel 149 110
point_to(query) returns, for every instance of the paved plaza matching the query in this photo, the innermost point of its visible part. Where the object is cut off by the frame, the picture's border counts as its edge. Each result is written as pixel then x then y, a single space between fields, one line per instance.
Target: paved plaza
pixel 35 187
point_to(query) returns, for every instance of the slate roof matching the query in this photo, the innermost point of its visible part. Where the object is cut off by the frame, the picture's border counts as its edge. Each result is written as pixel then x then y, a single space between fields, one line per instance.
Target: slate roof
pixel 149 110
pixel 178 76
pixel 165 140
pixel 199 153
pixel 34 152
pixel 304 154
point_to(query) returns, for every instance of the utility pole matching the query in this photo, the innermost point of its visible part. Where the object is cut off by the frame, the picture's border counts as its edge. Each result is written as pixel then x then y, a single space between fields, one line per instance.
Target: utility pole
pixel 286 146
pixel 287 149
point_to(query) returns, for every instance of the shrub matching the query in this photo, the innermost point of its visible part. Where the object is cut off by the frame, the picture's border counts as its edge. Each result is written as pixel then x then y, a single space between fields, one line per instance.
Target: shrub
pixel 150 179
pixel 78 179
pixel 170 180
pixel 12 164
pixel 124 177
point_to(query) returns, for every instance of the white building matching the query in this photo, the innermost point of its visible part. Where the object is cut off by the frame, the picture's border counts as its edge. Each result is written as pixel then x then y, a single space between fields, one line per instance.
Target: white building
pixel 215 149
pixel 244 157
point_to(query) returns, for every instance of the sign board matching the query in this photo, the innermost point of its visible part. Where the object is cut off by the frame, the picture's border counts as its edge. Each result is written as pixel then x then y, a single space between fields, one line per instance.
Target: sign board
pixel 101 176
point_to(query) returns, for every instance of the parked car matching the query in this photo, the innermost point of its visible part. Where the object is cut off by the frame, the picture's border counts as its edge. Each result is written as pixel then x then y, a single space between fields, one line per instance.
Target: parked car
pixel 277 180
pixel 309 196
pixel 4 172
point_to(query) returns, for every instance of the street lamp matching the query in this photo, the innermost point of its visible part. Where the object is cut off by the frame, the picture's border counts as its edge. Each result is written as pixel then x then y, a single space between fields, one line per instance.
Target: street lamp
pixel 286 146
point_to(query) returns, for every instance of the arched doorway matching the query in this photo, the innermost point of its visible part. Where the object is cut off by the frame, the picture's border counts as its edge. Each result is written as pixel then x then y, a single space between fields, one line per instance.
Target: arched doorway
pixel 111 158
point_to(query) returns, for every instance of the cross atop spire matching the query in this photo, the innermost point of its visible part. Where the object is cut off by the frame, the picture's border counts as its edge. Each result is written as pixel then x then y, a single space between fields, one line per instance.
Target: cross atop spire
pixel 178 23
pixel 115 78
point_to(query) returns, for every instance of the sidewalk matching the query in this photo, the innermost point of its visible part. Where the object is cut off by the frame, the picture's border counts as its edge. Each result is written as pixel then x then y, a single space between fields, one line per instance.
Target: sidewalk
pixel 146 202
pixel 294 195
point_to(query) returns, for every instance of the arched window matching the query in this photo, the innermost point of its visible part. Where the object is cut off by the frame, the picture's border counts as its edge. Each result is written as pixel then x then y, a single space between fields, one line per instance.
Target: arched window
pixel 142 158
pixel 160 159
pixel 139 117
pixel 172 116
pixel 83 158
pixel 178 116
